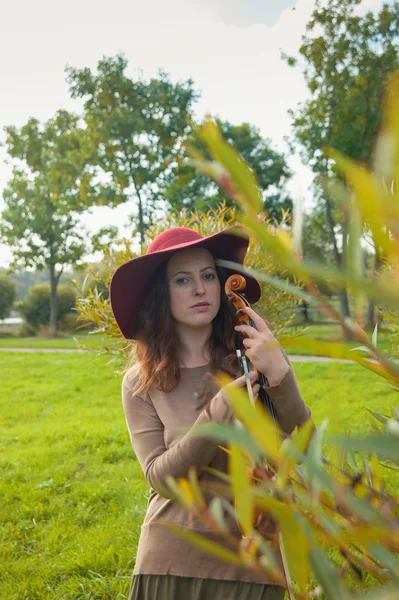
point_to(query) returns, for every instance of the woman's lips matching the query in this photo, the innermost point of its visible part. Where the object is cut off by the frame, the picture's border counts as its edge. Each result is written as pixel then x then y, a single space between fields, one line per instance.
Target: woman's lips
pixel 201 307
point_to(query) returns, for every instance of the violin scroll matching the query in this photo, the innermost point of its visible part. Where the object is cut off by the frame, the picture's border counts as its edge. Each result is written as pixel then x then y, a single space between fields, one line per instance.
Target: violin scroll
pixel 235 284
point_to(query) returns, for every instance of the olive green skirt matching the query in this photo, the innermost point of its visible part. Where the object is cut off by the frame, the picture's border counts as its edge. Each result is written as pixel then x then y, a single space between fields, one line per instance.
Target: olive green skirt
pixel 173 587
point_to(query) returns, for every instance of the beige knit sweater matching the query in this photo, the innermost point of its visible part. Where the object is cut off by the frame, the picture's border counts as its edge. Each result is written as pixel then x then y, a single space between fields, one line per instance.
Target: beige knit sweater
pixel 152 424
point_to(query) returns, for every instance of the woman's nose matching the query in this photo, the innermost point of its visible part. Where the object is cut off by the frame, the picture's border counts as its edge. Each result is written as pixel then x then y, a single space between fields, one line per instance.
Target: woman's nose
pixel 199 290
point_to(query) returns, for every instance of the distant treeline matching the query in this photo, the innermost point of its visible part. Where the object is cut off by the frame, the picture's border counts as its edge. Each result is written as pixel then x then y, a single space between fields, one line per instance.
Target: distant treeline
pixel 25 279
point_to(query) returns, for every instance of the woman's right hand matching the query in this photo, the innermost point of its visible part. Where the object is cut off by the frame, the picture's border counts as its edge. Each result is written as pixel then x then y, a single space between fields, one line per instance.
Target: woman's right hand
pixel 241 382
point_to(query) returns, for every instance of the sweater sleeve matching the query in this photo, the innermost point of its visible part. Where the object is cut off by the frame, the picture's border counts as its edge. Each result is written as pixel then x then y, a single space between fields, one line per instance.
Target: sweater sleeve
pixel 287 400
pixel 146 432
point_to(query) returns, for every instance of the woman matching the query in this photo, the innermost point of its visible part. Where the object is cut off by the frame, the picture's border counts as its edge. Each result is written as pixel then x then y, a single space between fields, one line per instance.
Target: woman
pixel 172 301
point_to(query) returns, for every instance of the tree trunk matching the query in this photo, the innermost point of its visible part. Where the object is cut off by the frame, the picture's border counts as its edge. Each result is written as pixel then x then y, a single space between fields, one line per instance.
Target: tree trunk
pixel 305 311
pixel 141 209
pixel 371 319
pixel 53 301
pixel 141 222
pixel 344 303
pixel 342 293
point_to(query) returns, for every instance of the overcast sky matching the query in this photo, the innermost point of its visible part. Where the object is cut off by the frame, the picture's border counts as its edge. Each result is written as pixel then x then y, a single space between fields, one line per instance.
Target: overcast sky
pixel 230 48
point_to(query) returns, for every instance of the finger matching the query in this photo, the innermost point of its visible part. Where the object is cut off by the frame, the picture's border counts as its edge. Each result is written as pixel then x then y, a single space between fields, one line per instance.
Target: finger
pixel 257 319
pixel 247 330
pixel 248 342
pixel 242 380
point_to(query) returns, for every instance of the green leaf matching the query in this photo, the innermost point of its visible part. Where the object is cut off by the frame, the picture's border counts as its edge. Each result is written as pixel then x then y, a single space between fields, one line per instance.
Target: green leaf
pixel 332 586
pixel 364 349
pixel 315 455
pixel 383 445
pixel 377 415
pixel 216 510
pixel 274 281
pixel 361 508
pixel 292 528
pixel 395 413
pixel 386 593
pixel 224 433
pixel 386 558
pixel 374 336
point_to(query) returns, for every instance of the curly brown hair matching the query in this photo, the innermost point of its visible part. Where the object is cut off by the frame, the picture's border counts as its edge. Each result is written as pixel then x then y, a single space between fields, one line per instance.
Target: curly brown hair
pixel 157 348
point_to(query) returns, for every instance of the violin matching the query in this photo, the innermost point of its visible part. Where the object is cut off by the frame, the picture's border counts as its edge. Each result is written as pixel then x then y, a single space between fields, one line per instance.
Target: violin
pixel 234 289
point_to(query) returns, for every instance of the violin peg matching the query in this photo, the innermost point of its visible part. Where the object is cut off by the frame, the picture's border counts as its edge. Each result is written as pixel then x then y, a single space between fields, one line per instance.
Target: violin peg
pixel 231 299
pixel 240 313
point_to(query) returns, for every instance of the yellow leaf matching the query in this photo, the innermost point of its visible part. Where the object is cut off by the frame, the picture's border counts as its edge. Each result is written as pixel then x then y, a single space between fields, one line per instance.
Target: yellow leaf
pixel 375 204
pixel 295 540
pixel 242 176
pixel 241 489
pixel 256 420
pixel 195 489
pixel 186 491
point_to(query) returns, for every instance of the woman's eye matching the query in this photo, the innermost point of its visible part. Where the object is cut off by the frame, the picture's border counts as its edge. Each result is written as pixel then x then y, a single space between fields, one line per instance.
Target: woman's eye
pixel 209 276
pixel 181 280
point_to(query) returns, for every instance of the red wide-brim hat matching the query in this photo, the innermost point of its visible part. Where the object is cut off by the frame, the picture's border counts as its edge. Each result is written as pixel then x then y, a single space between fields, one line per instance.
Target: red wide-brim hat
pixel 129 282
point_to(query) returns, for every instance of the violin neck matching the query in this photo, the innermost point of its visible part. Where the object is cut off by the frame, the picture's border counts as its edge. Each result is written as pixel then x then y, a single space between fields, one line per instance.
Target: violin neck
pixel 262 393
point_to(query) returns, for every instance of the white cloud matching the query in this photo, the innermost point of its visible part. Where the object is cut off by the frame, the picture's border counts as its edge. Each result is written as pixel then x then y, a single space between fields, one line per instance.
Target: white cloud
pixel 252 12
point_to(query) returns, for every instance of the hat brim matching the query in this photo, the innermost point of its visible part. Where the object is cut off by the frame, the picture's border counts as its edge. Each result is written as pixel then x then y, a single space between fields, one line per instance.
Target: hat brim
pixel 129 282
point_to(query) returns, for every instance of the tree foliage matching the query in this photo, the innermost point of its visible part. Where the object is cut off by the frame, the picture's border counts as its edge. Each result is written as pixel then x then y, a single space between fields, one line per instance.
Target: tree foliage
pixel 8 293
pixel 195 192
pixel 135 129
pixel 42 198
pixel 346 60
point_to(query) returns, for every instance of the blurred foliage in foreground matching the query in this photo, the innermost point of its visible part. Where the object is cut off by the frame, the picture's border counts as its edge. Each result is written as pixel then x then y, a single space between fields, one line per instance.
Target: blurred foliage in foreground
pixel 333 522
pixel 93 305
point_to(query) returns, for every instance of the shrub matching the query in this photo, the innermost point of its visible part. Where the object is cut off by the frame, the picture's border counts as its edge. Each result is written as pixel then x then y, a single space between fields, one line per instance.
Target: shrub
pixel 26 330
pixel 36 306
pixel 8 293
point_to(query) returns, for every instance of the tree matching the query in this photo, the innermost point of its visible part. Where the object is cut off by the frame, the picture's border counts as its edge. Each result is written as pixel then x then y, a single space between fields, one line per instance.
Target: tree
pixel 192 191
pixel 316 238
pixel 43 197
pixel 36 306
pixel 346 61
pixel 8 293
pixel 135 130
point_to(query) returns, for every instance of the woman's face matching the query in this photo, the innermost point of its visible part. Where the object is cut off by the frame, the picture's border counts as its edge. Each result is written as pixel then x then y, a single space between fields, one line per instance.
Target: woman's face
pixel 194 287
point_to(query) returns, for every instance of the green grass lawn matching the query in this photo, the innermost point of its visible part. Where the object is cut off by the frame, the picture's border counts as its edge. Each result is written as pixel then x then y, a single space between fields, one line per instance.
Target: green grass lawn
pixel 73 495
pixel 330 332
pixel 61 341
